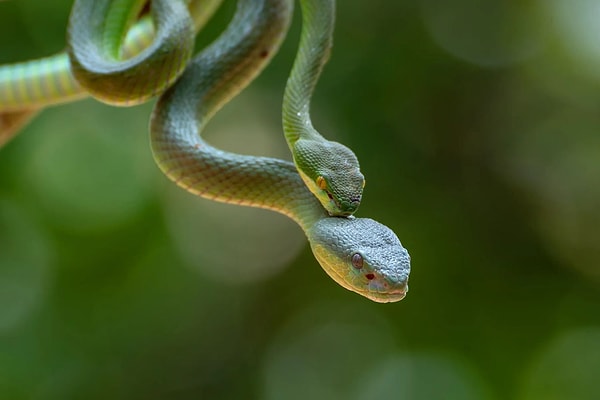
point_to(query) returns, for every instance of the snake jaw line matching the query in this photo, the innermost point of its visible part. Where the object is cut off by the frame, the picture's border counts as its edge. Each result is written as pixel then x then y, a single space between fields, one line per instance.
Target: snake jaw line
pixel 334 208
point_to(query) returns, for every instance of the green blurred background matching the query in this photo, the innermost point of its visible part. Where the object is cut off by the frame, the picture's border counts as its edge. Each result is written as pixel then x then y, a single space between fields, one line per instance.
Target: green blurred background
pixel 477 126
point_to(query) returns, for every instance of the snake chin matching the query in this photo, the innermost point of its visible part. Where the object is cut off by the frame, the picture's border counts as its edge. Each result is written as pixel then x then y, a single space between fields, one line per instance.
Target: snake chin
pixel 381 291
pixel 382 272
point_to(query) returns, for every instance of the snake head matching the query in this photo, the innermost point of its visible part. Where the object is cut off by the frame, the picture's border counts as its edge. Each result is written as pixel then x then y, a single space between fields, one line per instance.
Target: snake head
pixel 331 172
pixel 363 256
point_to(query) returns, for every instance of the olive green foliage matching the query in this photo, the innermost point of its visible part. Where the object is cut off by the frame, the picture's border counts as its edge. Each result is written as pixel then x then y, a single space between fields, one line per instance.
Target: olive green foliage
pixel 477 129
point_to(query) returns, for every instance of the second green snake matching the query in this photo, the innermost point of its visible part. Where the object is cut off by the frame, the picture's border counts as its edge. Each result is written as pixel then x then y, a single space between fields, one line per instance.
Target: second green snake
pixel 329 169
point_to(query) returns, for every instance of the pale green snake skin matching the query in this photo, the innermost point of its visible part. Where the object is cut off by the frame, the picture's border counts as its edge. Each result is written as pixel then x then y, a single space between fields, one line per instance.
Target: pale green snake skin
pixel 26 87
pixel 96 32
pixel 360 254
pixel 329 169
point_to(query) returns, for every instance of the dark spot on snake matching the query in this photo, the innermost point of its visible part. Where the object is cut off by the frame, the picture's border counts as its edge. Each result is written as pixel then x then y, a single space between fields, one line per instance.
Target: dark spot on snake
pixel 145 10
pixel 370 276
pixel 264 53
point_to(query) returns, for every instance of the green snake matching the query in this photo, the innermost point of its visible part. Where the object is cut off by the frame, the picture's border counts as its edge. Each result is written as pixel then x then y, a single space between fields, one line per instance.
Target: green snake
pixel 360 254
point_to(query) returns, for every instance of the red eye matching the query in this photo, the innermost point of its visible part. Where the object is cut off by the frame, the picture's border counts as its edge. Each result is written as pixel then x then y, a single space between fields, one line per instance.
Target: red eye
pixel 357 261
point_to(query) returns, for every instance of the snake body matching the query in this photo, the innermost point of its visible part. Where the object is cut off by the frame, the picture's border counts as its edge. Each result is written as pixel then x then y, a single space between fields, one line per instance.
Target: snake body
pixel 360 254
pixel 96 32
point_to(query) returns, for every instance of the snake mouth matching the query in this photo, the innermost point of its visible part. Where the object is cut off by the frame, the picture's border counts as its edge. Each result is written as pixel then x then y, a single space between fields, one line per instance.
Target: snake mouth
pixel 336 206
pixel 399 292
pixel 390 296
pixel 386 298
pixel 383 293
pixel 344 209
pixel 333 200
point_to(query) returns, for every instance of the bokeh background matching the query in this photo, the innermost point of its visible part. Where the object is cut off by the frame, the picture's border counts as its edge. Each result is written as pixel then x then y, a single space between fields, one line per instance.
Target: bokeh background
pixel 477 125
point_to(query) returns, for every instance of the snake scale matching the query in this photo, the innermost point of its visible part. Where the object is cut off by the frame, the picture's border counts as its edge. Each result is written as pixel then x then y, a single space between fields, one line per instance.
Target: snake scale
pixel 319 192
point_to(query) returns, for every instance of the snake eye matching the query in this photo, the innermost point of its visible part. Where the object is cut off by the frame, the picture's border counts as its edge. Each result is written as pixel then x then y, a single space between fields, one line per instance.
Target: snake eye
pixel 357 261
pixel 321 183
